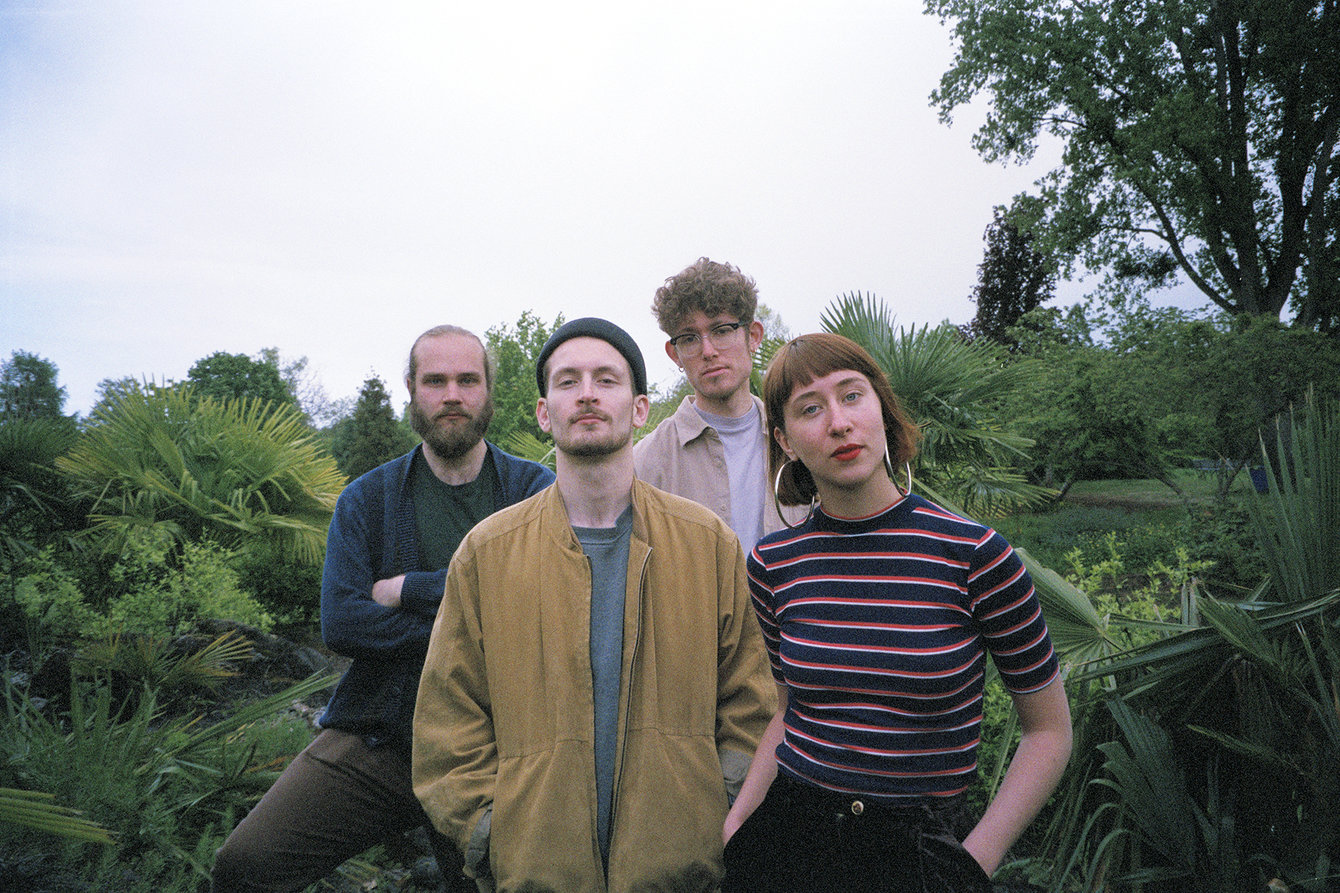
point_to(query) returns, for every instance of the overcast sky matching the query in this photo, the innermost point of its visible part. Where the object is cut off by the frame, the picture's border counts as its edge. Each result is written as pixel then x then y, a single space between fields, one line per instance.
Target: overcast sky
pixel 331 178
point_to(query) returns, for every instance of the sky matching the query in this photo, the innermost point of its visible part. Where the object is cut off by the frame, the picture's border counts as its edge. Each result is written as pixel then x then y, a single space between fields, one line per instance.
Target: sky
pixel 332 178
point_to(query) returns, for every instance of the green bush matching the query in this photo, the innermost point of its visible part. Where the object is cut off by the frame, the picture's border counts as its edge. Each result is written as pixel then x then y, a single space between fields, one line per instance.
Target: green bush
pixel 1222 534
pixel 52 606
pixel 162 594
pixel 289 591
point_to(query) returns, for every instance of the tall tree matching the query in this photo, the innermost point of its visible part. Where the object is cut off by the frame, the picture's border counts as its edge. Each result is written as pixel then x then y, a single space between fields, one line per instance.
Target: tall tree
pixel 225 376
pixel 28 388
pixel 372 435
pixel 1199 138
pixel 514 349
pixel 1012 279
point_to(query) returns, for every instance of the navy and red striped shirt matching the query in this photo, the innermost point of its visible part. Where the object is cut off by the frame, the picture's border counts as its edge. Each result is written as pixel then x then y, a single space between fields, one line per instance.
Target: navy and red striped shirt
pixel 879 628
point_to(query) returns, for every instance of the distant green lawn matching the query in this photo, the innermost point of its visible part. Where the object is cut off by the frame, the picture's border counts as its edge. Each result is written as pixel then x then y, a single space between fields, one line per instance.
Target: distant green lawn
pixel 1196 484
pixel 1094 508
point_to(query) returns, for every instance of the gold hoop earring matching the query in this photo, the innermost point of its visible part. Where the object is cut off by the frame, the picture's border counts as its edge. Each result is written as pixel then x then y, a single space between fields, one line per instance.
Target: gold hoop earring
pixel 777 499
pixel 893 476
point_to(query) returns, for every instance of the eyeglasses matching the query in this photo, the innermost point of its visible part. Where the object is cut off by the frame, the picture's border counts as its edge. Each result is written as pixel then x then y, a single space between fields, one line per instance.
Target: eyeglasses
pixel 690 344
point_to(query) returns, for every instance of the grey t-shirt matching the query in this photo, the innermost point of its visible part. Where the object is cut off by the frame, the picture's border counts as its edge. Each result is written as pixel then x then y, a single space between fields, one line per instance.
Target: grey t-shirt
pixel 607 550
pixel 746 446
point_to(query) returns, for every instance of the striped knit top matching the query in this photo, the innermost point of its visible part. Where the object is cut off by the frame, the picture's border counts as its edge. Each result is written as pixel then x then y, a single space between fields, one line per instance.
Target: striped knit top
pixel 879 627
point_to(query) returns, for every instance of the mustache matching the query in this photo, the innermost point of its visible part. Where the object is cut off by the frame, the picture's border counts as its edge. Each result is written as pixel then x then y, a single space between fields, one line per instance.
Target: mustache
pixel 589 413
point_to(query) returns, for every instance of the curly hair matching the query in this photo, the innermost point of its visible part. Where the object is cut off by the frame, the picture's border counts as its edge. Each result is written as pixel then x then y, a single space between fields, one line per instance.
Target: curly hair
pixel 804 359
pixel 707 286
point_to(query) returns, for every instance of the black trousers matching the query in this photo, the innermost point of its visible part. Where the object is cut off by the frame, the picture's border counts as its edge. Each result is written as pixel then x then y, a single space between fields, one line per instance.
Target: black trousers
pixel 803 839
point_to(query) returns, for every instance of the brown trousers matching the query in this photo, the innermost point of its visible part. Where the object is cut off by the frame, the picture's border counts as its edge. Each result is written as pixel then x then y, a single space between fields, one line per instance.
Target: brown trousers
pixel 337 798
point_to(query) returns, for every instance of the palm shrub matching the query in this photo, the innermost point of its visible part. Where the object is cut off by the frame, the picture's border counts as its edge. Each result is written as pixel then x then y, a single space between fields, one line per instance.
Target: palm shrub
pixel 952 389
pixel 35 506
pixel 1227 726
pixel 235 470
pixel 165 790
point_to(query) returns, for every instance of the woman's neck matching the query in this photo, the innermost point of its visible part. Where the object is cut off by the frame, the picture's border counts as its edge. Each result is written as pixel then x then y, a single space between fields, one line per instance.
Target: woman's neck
pixel 873 497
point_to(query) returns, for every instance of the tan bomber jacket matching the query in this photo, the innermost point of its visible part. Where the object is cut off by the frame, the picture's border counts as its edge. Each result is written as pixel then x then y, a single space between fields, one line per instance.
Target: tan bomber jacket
pixel 505 715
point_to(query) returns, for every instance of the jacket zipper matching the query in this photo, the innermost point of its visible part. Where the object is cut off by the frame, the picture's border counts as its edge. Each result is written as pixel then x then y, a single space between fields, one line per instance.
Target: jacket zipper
pixel 627 718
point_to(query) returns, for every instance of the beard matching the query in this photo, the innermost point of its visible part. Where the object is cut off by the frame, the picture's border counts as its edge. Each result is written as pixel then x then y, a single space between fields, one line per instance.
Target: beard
pixel 454 442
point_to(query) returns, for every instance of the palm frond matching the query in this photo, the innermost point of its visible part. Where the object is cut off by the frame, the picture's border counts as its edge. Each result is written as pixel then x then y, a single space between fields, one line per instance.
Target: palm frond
pixel 238 469
pixel 528 446
pixel 1153 789
pixel 1298 520
pixel 35 809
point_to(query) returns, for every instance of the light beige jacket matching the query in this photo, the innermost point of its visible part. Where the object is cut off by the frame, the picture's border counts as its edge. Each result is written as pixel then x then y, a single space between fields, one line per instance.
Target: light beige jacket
pixel 684 455
pixel 505 716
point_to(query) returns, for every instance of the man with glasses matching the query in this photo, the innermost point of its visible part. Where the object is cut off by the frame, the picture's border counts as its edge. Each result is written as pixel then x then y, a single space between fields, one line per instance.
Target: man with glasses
pixel 714 449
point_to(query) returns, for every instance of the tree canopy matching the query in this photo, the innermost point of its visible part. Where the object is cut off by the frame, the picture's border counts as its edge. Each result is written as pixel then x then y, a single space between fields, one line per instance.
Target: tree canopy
pixel 1012 279
pixel 28 388
pixel 228 376
pixel 1199 138
pixel 514 350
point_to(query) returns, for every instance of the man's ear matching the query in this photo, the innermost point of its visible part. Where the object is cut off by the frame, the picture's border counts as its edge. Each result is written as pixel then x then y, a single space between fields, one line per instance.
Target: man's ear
pixel 755 335
pixel 542 415
pixel 641 410
pixel 673 354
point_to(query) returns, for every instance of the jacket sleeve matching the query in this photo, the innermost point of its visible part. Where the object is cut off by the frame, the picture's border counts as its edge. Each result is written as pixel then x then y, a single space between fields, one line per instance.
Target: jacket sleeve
pixel 455 754
pixel 353 624
pixel 746 696
pixel 421 593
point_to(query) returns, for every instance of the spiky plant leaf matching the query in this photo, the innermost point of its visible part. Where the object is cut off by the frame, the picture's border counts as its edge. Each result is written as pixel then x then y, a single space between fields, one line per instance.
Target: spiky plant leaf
pixel 35 809
pixel 236 470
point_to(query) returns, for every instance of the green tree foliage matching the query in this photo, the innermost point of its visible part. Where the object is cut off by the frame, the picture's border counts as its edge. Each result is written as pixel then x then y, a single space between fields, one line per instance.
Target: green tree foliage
pixel 227 376
pixel 1012 279
pixel 110 390
pixel 514 350
pixel 1155 389
pixel 28 388
pixel 372 435
pixel 952 389
pixel 235 471
pixel 1088 408
pixel 1198 137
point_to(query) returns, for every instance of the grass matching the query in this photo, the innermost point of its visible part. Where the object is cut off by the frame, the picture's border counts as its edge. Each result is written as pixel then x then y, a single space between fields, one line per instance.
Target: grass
pixel 1148 520
pixel 1199 486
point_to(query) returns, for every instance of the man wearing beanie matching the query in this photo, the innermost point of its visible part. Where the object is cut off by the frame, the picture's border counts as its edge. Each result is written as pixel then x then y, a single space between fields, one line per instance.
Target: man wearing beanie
pixel 595 683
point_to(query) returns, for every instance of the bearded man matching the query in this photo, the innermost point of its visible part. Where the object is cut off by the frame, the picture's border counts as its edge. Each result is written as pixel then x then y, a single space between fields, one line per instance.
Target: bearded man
pixel 390 541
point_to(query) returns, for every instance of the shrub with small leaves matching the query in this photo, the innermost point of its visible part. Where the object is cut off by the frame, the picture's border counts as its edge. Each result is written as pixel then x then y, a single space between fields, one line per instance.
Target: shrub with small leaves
pixel 166 597
pixel 54 611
